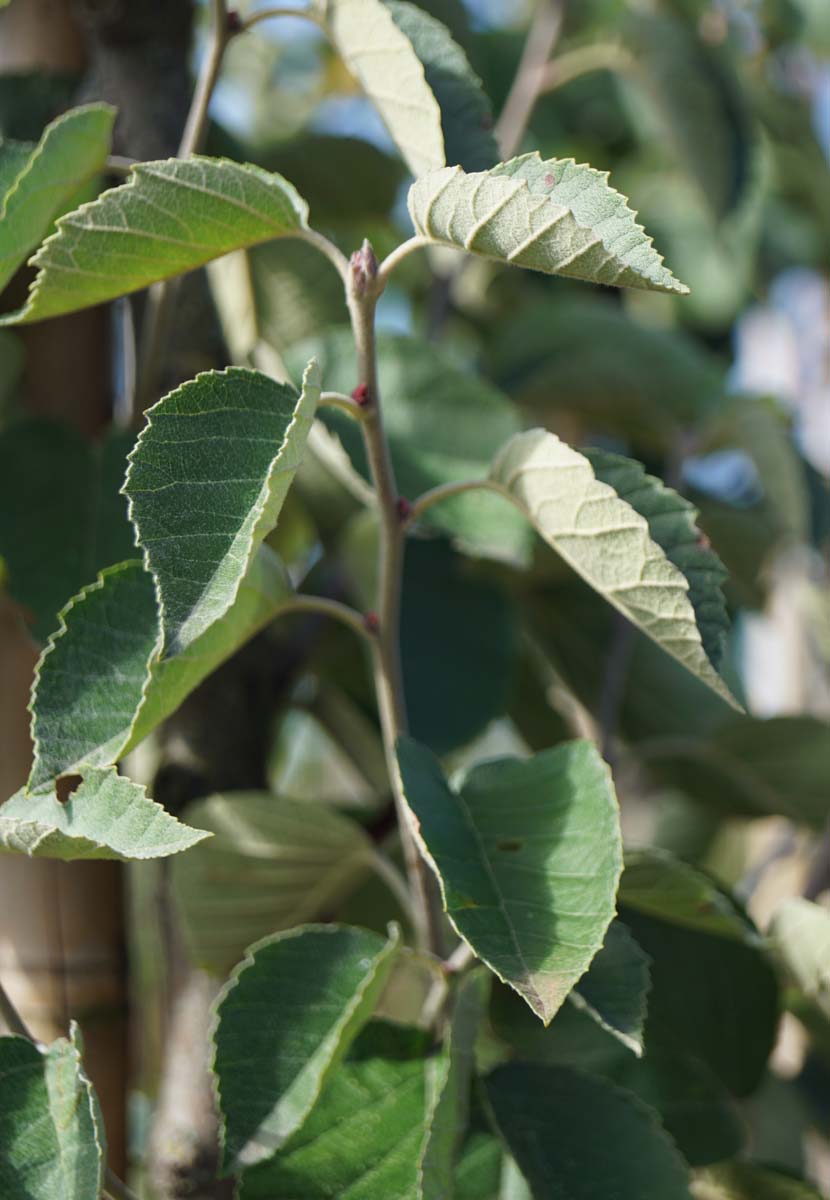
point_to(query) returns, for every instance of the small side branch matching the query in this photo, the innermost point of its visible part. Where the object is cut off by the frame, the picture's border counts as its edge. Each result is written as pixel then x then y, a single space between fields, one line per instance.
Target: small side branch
pixel 396 256
pixel 445 491
pixel 343 402
pixel 541 40
pixel 335 609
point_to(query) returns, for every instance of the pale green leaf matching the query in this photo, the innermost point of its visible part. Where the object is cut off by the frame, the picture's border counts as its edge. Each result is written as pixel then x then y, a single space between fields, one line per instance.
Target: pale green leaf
pixel 285 1020
pixel 206 482
pixel 382 58
pixel 449 1076
pixel 100 686
pixel 364 1138
pixel 466 114
pixel 169 218
pixel 548 215
pixel 606 541
pixel 672 524
pixel 528 856
pixel 576 1137
pixel 106 816
pixel 800 934
pixel 71 152
pixel 614 990
pixel 52 1142
pixel 61 517
pixel 272 864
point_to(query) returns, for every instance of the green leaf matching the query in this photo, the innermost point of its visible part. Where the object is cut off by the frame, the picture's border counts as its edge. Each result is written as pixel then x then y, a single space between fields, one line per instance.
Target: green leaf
pixel 576 1137
pixel 61 517
pixel 509 847
pixel 800 934
pixel 659 885
pixel 382 58
pixel 71 152
pixel 285 1020
pixel 645 385
pixel 52 1141
pixel 169 218
pixel 697 100
pixel 615 987
pixel 695 1109
pixel 100 686
pixel 713 997
pixel 748 1181
pixel 549 215
pixel 443 424
pixel 778 766
pixel 606 541
pixel 364 1138
pixel 672 524
pixel 106 816
pixel 466 114
pixel 206 482
pixel 272 863
pixel 450 1076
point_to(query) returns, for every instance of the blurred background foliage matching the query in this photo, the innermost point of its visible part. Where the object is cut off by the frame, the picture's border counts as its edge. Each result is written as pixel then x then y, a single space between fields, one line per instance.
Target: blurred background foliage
pixel 713 117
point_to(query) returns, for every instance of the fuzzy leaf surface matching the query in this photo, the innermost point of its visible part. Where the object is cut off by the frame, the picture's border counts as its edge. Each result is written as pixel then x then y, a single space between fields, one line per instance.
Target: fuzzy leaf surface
pixel 272 863
pixel 106 816
pixel 206 483
pixel 672 524
pixel 549 215
pixel 606 541
pixel 528 856
pixel 365 1137
pixel 169 218
pixel 52 1142
pixel 38 185
pixel 101 687
pixel 285 1020
pixel 384 61
pixel 466 113
pixel 576 1137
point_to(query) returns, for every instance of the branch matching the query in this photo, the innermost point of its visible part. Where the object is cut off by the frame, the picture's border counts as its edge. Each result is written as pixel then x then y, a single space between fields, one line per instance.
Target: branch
pixel 584 59
pixel 329 608
pixel 541 39
pixel 445 491
pixel 397 256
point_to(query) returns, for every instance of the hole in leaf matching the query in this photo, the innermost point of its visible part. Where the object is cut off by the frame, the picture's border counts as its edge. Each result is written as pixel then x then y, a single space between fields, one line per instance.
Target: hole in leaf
pixel 65 786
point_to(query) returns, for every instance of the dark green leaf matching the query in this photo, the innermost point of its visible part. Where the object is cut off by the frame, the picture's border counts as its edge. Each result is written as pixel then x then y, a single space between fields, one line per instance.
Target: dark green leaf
pixel 614 989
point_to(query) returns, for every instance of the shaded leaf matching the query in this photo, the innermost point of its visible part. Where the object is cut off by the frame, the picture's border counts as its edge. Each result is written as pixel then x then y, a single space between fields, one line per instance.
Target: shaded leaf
pixel 576 1137
pixel 285 1020
pixel 364 1138
pixel 606 541
pixel 169 218
pixel 615 987
pixel 52 1141
pixel 800 934
pixel 106 816
pixel 451 1075
pixel 61 517
pixel 383 59
pixel 548 215
pixel 510 848
pixel 659 885
pixel 38 184
pixel 672 525
pixel 100 686
pixel 466 113
pixel 206 482
pixel 272 864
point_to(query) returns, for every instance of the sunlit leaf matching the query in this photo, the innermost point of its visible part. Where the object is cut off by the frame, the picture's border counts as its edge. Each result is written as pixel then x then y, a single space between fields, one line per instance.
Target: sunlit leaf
pixel 800 933
pixel 52 1141
pixel 106 816
pixel 285 1020
pixel 549 215
pixel 510 847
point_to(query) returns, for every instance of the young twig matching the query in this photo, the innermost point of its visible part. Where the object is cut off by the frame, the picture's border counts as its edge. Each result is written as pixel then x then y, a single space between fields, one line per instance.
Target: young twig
pixel 539 45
